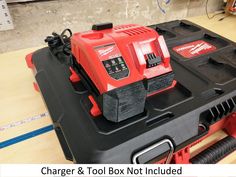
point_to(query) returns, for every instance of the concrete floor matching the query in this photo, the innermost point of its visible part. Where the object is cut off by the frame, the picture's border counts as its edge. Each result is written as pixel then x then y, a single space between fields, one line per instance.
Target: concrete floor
pixel 34 21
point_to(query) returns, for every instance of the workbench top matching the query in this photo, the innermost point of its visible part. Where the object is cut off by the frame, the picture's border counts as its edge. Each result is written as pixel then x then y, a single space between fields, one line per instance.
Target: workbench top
pixel 22 110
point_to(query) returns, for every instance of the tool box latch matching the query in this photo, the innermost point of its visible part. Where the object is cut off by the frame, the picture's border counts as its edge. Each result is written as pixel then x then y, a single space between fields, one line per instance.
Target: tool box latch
pixel 159 143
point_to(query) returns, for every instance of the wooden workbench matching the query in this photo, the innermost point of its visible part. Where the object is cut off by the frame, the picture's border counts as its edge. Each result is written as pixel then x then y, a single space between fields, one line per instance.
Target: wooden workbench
pixel 20 106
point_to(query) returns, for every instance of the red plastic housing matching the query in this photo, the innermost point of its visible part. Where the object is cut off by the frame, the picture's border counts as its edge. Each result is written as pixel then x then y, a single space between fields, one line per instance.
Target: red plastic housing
pixel 131 42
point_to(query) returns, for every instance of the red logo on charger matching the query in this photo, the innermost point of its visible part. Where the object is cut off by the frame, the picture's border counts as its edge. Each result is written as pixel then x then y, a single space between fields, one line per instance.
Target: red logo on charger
pixel 107 52
pixel 194 49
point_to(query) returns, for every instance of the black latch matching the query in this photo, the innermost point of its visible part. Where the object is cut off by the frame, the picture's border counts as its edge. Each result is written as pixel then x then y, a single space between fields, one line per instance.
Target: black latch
pixel 102 26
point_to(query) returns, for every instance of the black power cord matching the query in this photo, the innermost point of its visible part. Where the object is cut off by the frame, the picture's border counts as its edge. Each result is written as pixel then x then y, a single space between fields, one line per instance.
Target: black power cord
pixel 208 16
pixel 224 17
pixel 60 46
pixel 60 41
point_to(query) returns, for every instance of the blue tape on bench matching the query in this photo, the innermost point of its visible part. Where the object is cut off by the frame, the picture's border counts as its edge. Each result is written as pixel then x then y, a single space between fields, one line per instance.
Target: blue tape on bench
pixel 25 136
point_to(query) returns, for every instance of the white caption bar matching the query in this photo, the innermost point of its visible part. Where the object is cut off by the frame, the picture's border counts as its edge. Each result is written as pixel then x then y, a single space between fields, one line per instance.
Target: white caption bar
pixel 116 170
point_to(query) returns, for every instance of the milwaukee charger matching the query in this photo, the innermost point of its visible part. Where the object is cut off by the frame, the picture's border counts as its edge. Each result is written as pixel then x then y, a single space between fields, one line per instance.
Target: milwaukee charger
pixel 121 66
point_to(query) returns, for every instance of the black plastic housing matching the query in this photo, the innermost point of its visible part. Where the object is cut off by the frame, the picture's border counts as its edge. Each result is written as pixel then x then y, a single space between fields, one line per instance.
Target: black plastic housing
pixel 122 103
pixel 174 114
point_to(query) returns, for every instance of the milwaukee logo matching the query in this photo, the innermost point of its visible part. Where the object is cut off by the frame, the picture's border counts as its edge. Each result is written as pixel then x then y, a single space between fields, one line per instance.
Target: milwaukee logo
pixel 200 47
pixel 184 48
pixel 105 51
pixel 195 48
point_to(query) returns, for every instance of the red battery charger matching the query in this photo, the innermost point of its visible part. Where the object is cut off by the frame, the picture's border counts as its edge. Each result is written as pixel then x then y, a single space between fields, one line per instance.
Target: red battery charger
pixel 120 66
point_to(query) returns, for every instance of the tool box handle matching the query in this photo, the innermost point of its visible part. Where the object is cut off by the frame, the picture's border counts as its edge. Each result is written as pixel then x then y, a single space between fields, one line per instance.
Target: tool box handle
pixel 216 152
pixel 169 156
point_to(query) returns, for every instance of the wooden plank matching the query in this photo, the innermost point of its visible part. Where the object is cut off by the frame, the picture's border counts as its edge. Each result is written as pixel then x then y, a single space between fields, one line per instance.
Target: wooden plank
pixel 43 149
pixel 224 28
pixel 18 100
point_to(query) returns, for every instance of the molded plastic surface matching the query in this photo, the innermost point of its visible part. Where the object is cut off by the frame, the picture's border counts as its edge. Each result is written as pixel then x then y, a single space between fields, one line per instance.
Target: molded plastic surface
pixel 174 114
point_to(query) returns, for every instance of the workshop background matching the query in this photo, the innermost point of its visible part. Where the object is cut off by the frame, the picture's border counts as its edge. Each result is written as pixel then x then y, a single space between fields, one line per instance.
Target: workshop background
pixel 26 131
pixel 36 19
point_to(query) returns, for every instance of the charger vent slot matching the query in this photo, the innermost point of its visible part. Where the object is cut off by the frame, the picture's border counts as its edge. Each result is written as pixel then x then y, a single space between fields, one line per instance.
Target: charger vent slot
pixel 219 111
pixel 122 27
pixel 134 30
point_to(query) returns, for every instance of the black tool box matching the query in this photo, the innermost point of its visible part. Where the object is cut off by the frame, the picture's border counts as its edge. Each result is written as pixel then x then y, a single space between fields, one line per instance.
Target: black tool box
pixel 202 102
